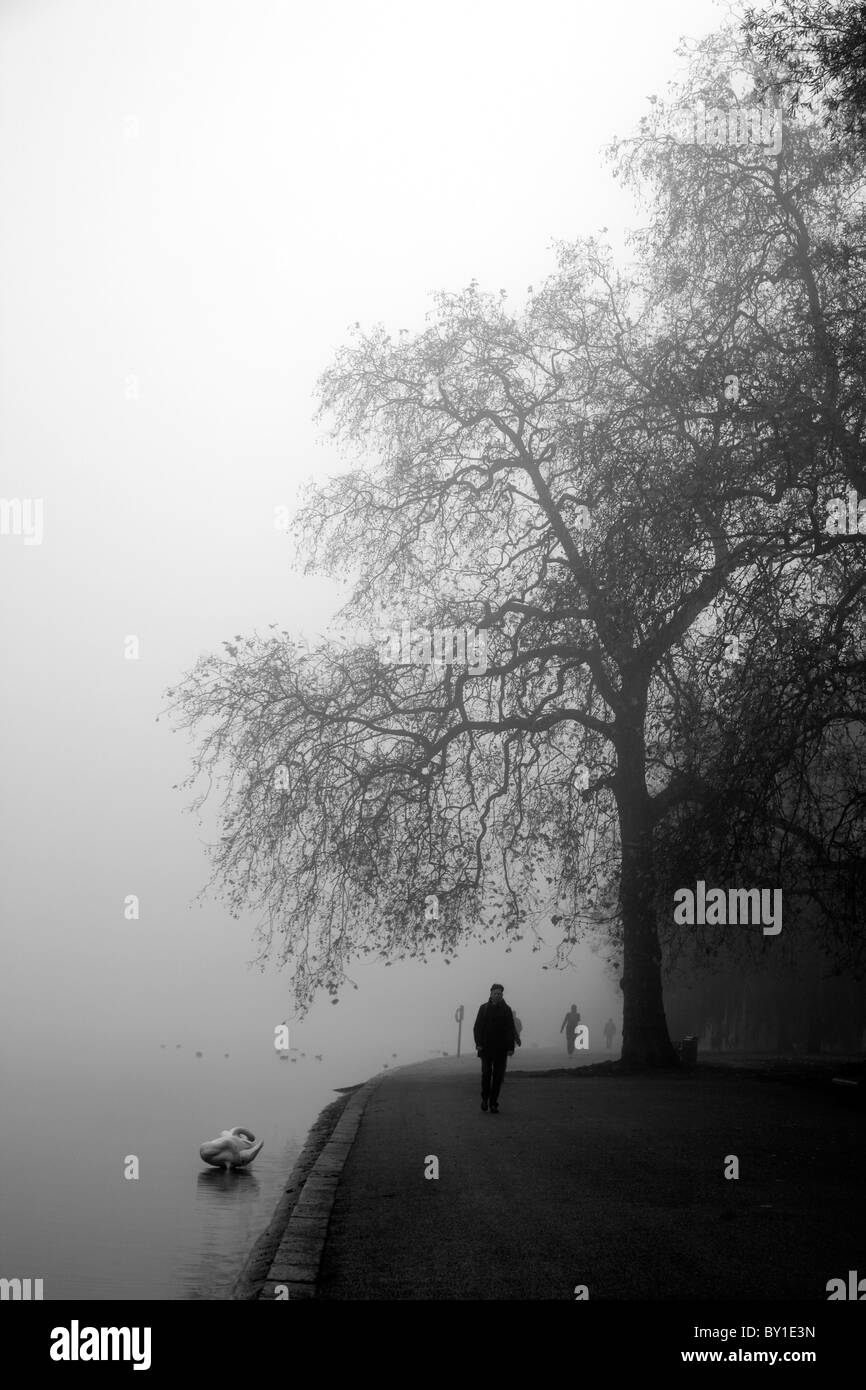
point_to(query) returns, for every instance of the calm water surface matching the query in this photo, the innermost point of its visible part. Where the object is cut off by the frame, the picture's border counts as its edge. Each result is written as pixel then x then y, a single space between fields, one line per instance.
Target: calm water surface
pixel 182 1230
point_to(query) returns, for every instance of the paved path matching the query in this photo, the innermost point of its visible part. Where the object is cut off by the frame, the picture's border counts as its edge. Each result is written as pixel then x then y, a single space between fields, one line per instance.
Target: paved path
pixel 613 1183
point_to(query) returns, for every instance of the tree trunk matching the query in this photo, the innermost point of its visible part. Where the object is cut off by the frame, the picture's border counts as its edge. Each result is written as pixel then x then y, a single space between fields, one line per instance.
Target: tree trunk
pixel 645 1039
pixel 744 1015
pixel 783 1019
pixel 815 1032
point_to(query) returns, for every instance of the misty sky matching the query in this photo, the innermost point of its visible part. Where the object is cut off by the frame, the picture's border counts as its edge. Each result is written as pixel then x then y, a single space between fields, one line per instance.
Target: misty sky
pixel 198 200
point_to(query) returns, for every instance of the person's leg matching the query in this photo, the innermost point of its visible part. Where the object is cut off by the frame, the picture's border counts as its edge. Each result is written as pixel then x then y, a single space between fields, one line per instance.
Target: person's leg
pixel 486 1074
pixel 500 1062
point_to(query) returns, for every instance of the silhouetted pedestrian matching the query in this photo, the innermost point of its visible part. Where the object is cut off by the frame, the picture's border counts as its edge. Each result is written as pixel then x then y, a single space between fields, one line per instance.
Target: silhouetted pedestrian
pixel 609 1030
pixel 570 1024
pixel 495 1039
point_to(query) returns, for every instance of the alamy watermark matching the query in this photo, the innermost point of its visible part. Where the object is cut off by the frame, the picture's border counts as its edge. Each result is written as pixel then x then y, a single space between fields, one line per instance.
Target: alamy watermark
pixel 736 907
pixel 718 126
pixel 855 1291
pixel 22 516
pixel 20 1290
pixel 846 516
pixel 75 1343
pixel 434 647
pixel 438 647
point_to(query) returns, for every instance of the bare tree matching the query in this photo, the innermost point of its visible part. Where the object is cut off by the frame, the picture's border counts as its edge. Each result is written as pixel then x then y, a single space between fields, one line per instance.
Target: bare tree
pixel 579 483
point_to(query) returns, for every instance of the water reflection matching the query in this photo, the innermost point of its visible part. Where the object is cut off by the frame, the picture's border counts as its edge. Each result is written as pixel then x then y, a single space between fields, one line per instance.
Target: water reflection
pixel 239 1183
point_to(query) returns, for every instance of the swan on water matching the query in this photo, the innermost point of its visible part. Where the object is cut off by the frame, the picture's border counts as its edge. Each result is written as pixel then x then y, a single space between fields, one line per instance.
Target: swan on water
pixel 234 1148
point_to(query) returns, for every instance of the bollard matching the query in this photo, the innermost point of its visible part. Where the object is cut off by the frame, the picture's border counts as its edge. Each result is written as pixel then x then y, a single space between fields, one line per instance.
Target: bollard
pixel 688 1050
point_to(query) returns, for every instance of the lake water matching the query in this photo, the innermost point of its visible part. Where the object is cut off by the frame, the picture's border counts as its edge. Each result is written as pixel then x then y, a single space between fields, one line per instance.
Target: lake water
pixel 182 1230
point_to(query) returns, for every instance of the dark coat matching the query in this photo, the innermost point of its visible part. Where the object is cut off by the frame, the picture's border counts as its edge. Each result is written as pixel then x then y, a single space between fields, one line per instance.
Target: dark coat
pixel 494 1029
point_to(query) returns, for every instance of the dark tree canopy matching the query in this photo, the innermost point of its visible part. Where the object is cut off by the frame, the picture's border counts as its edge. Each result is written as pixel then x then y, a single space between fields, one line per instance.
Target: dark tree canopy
pixel 816 52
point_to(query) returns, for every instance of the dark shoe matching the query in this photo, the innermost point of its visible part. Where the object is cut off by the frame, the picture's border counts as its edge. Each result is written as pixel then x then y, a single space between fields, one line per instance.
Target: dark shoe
pixel 484 1105
pixel 494 1109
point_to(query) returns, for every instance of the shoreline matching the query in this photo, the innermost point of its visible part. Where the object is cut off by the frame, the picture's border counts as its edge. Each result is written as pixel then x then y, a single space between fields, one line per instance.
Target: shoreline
pixel 254 1272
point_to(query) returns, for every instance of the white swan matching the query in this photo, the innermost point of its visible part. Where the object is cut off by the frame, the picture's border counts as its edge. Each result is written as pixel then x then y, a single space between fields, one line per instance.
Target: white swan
pixel 230 1150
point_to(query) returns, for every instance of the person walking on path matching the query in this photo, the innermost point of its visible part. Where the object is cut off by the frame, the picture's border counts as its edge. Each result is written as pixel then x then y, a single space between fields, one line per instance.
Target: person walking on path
pixel 495 1039
pixel 609 1030
pixel 570 1024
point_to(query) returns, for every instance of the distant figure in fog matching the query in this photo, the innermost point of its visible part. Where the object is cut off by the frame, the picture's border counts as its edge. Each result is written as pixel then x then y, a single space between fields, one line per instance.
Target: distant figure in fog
pixel 609 1030
pixel 570 1024
pixel 495 1040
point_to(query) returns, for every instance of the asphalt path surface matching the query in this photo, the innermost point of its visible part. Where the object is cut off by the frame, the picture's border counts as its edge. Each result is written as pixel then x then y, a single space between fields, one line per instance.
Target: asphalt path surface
pixel 615 1183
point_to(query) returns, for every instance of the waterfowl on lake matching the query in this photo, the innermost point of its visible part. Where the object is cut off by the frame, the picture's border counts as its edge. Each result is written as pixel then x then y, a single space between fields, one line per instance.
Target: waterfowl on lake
pixel 234 1148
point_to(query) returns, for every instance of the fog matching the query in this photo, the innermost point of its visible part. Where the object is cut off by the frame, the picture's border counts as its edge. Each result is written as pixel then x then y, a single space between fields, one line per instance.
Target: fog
pixel 198 201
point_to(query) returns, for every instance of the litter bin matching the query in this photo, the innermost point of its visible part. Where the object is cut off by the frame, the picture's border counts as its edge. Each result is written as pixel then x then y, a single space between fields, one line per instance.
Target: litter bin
pixel 688 1050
